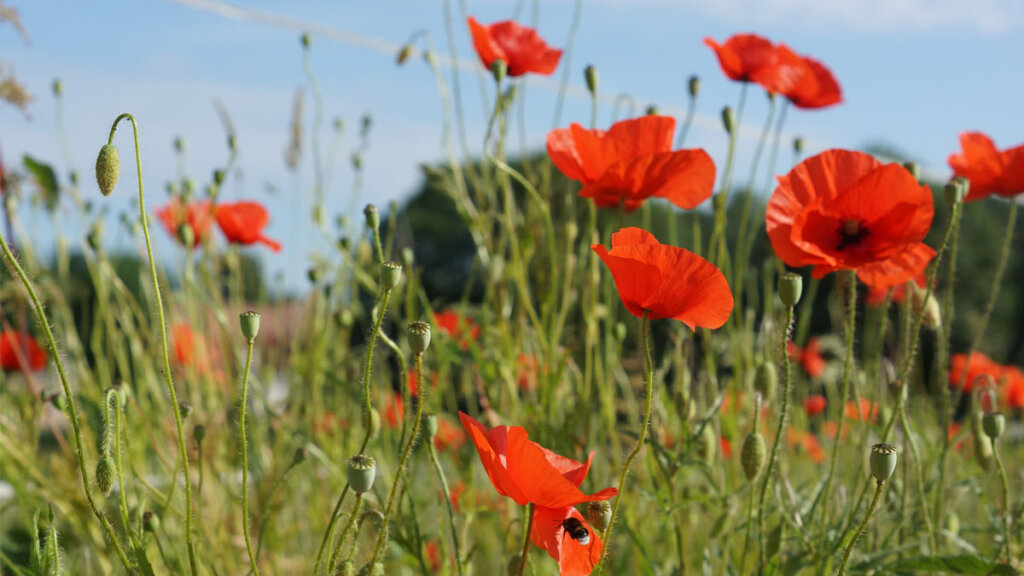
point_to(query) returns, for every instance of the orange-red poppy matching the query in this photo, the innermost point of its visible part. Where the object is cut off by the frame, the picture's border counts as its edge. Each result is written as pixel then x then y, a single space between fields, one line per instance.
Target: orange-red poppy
pixel 197 215
pixel 631 162
pixel 191 350
pixel 243 223
pixel 815 404
pixel 453 324
pixel 806 442
pixel 531 474
pixel 990 170
pixel 520 47
pixel 814 86
pixel 752 58
pixel 449 436
pixel 978 367
pixel 433 553
pixel 866 410
pixel 844 210
pixel 20 352
pixel 1013 387
pixel 394 411
pixel 665 281
pixel 809 357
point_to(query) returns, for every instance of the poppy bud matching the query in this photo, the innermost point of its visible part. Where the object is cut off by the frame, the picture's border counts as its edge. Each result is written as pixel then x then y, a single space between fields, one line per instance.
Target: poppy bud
pixel 108 169
pixel 430 425
pixel 706 445
pixel 73 177
pixel 931 314
pixel 791 287
pixel 408 257
pixel 766 379
pixel 218 177
pixel 123 392
pixel 304 39
pixel 199 433
pixel 250 323
pixel 419 337
pixel 366 122
pixel 186 409
pixel 313 274
pixel 186 235
pixel 390 275
pixel 515 565
pixel 404 54
pixel 728 120
pixel 105 474
pixel 590 74
pixel 179 144
pixel 982 445
pixel 798 145
pixel 357 160
pixel 652 110
pixel 599 514
pixel 372 217
pixel 620 331
pixel 883 461
pixel 694 85
pixel 956 190
pixel 344 318
pixel 95 236
pixel 753 455
pixel 499 68
pixel 361 470
pixel 58 87
pixel 774 543
pixel 150 521
pixel 914 168
pixel 993 424
pixel 339 124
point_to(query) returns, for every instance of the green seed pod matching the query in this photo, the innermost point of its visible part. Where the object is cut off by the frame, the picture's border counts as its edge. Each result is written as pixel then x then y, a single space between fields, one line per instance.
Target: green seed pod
pixel 590 74
pixel 706 445
pixel 994 424
pixel 883 461
pixel 791 287
pixel 250 324
pixel 361 471
pixel 956 190
pixel 514 566
pixel 372 216
pixel 728 120
pixel 599 514
pixel 150 521
pixel 430 425
pixel 766 379
pixel 499 68
pixel 345 568
pixel 694 85
pixel 108 169
pixel 982 446
pixel 754 455
pixel 390 274
pixel 419 337
pixel 105 474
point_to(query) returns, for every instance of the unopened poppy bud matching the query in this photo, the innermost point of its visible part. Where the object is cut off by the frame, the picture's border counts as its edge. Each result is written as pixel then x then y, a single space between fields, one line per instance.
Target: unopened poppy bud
pixel 390 274
pixel 982 444
pixel 515 565
pixel 956 190
pixel 791 287
pixel 430 425
pixel 150 521
pixel 123 392
pixel 930 311
pixel 599 514
pixel 186 235
pixel 706 445
pixel 366 122
pixel 914 168
pixel 250 323
pixel 993 424
pixel 728 120
pixel 105 474
pixel 377 569
pixel 345 568
pixel 357 160
pixel 774 542
pixel 73 177
pixel 179 144
pixel 694 85
pixel 419 337
pixel 798 145
pixel 58 87
pixel 590 74
pixel 304 40
pixel 652 110
pixel 95 236
pixel 313 274
pixel 186 410
pixel 199 433
pixel 766 379
pixel 108 169
pixel 883 461
pixel 361 471
pixel 218 177
pixel 754 454
pixel 344 318
pixel 499 68
pixel 372 217
pixel 374 423
pixel 403 54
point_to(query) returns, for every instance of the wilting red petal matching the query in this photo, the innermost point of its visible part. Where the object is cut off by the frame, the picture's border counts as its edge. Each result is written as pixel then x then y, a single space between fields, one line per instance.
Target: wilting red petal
pixel 520 47
pixel 665 281
pixel 243 223
pixel 989 170
pixel 20 352
pixel 547 532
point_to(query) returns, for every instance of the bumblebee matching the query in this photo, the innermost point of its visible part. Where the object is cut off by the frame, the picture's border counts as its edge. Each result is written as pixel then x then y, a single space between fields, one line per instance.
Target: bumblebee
pixel 575 529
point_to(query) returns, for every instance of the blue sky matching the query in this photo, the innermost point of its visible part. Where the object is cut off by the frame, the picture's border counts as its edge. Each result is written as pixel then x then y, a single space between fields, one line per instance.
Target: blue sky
pixel 915 73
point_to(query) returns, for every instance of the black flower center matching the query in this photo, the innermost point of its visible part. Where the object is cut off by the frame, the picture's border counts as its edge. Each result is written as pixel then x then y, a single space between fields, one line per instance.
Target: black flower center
pixel 852 233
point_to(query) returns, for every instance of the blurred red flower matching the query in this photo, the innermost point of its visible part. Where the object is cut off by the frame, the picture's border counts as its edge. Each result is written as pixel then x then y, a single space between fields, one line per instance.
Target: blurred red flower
pixel 631 162
pixel 20 352
pixel 665 281
pixel 815 404
pixel 197 215
pixel 531 474
pixel 243 223
pixel 1013 387
pixel 877 293
pixel 449 436
pixel 457 326
pixel 806 442
pixel 990 171
pixel 979 366
pixel 844 210
pixel 522 49
pixel 866 410
pixel 433 550
pixel 810 357
pixel 814 86
pixel 394 411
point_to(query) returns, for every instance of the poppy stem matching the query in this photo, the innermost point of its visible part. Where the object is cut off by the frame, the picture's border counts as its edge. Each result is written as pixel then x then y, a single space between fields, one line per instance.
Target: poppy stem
pixel 1006 497
pixel 648 389
pixel 333 562
pixel 175 407
pixel 245 457
pixel 432 451
pixel 526 539
pixel 879 486
pixel 691 108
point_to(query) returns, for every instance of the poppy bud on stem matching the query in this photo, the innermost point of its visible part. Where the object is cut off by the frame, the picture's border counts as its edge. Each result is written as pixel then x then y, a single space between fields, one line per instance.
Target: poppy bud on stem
pixel 883 464
pixel 590 74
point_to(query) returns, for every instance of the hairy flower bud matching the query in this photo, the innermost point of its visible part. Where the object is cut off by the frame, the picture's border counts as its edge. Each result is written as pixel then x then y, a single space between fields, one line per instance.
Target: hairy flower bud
pixel 372 217
pixel 108 169
pixel 590 74
pixel 766 379
pixel 754 455
pixel 105 474
pixel 994 424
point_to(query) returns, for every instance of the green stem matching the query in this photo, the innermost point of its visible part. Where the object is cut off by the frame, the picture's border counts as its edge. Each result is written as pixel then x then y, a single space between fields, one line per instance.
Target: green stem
pixel 245 458
pixel 178 422
pixel 120 474
pixel 526 539
pixel 432 451
pixel 879 486
pixel 333 562
pixel 1006 497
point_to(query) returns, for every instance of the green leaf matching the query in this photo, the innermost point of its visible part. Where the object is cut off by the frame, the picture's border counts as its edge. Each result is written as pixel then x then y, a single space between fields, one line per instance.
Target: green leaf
pixel 963 564
pixel 46 179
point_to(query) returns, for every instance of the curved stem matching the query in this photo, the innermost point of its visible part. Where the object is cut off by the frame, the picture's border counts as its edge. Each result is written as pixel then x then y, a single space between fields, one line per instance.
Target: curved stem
pixel 879 486
pixel 526 539
pixel 245 459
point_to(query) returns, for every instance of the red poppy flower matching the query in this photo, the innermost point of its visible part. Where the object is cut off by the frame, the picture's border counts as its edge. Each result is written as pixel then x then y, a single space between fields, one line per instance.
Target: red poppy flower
pixel 989 170
pixel 531 474
pixel 394 412
pixel 815 404
pixel 190 348
pixel 196 214
pixel 528 368
pixel 844 210
pixel 867 410
pixel 433 552
pixel 449 436
pixel 631 162
pixel 806 442
pixel 1013 387
pixel 810 358
pixel 752 58
pixel 243 223
pixel 20 352
pixel 522 49
pixel 979 366
pixel 665 281
pixel 814 86
pixel 458 326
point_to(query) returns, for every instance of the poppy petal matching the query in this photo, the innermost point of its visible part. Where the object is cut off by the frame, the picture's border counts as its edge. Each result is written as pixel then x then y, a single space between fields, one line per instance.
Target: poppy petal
pixel 685 177
pixel 574 558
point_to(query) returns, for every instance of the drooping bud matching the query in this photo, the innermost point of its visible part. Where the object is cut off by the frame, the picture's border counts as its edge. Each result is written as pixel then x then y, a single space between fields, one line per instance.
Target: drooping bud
pixel 250 323
pixel 599 514
pixel 372 217
pixel 430 425
pixel 728 120
pixel 499 68
pixel 108 169
pixel 982 445
pixel 994 424
pixel 791 287
pixel 754 455
pixel 766 379
pixel 361 471
pixel 390 275
pixel 931 313
pixel 956 190
pixel 914 168
pixel 694 85
pixel 590 74
pixel 883 461
pixel 105 474
pixel 419 337
pixel 403 54
pixel 199 433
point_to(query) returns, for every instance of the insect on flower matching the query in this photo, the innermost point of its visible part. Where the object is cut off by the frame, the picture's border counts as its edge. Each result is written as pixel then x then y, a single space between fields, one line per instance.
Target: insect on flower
pixel 574 528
